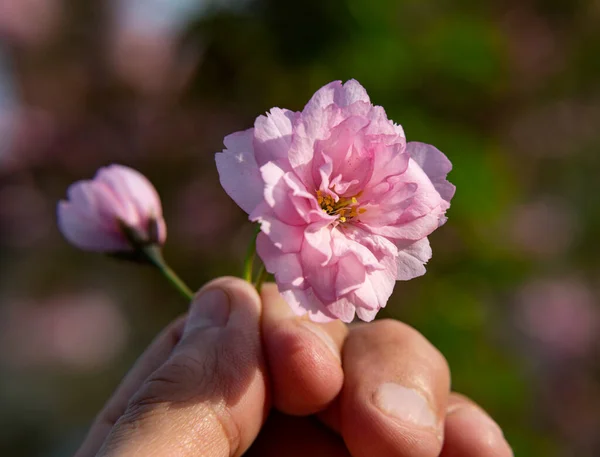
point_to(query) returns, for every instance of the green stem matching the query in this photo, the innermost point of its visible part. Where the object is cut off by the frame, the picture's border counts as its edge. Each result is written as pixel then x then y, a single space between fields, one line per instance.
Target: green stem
pixel 250 254
pixel 262 276
pixel 154 254
pixel 249 261
pixel 177 282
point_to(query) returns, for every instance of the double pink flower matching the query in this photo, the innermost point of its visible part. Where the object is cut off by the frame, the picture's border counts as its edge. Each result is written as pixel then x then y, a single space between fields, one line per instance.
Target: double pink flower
pixel 345 205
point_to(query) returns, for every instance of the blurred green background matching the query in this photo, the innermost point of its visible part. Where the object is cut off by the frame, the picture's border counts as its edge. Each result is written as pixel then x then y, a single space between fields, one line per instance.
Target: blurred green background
pixel 509 90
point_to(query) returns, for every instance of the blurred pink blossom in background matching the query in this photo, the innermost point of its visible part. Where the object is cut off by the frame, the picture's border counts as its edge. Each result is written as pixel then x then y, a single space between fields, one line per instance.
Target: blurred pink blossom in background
pixel 30 128
pixel 83 332
pixel 29 22
pixel 23 128
pixel 544 228
pixel 144 43
pixel 561 314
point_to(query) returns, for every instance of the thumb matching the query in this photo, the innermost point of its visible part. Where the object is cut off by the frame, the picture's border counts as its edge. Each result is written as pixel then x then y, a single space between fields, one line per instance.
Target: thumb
pixel 209 397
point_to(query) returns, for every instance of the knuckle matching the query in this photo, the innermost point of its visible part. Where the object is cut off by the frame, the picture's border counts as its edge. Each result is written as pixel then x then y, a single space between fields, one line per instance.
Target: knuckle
pixel 139 412
pixel 390 333
pixel 179 380
pixel 188 386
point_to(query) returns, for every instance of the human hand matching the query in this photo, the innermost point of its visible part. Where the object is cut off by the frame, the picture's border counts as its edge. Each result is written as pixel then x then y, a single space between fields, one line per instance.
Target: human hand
pixel 371 390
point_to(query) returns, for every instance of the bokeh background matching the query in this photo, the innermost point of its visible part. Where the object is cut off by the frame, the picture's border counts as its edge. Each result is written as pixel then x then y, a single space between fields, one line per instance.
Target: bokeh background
pixel 509 90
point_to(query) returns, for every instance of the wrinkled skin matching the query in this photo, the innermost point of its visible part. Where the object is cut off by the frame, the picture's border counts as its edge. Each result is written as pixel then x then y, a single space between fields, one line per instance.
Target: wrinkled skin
pixel 242 375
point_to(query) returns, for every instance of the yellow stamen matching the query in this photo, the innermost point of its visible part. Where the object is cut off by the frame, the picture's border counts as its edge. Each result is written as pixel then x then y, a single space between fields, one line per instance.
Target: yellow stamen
pixel 345 208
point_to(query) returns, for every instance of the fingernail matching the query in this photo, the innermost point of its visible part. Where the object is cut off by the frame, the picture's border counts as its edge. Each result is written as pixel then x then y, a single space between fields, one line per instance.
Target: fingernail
pixel 209 309
pixel 324 337
pixel 488 430
pixel 405 404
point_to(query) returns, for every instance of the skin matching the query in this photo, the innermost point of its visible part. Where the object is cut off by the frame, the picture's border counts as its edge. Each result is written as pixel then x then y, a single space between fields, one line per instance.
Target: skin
pixel 248 377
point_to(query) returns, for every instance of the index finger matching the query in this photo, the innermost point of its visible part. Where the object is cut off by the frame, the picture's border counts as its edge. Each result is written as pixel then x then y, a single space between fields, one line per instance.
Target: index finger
pixel 304 357
pixel 154 356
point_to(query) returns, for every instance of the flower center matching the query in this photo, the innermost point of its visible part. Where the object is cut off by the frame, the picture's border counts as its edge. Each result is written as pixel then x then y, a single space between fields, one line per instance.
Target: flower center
pixel 345 208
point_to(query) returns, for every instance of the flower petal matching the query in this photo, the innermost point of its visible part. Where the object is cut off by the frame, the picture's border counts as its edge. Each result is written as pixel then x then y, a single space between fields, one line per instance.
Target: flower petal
pixel 389 161
pixel 435 164
pixel 378 245
pixel 318 242
pixel 341 95
pixel 315 121
pixel 343 309
pixel 350 157
pixel 285 266
pixel 288 238
pixel 84 232
pixel 238 171
pixel 273 136
pixel 413 230
pixel 410 210
pixel 289 206
pixel 344 243
pixel 377 288
pixel 304 301
pixel 99 203
pixel 350 275
pixel 130 186
pixel 411 260
pixel 310 127
pixel 320 277
pixel 365 314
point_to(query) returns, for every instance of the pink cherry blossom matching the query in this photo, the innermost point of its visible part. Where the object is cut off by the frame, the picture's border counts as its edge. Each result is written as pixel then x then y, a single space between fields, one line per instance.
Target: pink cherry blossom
pixel 105 213
pixel 345 205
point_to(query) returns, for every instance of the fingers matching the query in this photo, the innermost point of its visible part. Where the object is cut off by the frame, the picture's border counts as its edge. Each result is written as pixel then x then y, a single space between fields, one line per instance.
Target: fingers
pixel 303 357
pixel 395 391
pixel 150 360
pixel 209 396
pixel 470 432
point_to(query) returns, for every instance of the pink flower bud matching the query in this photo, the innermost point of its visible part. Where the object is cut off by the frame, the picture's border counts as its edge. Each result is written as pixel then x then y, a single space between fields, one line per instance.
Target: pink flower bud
pixel 118 211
